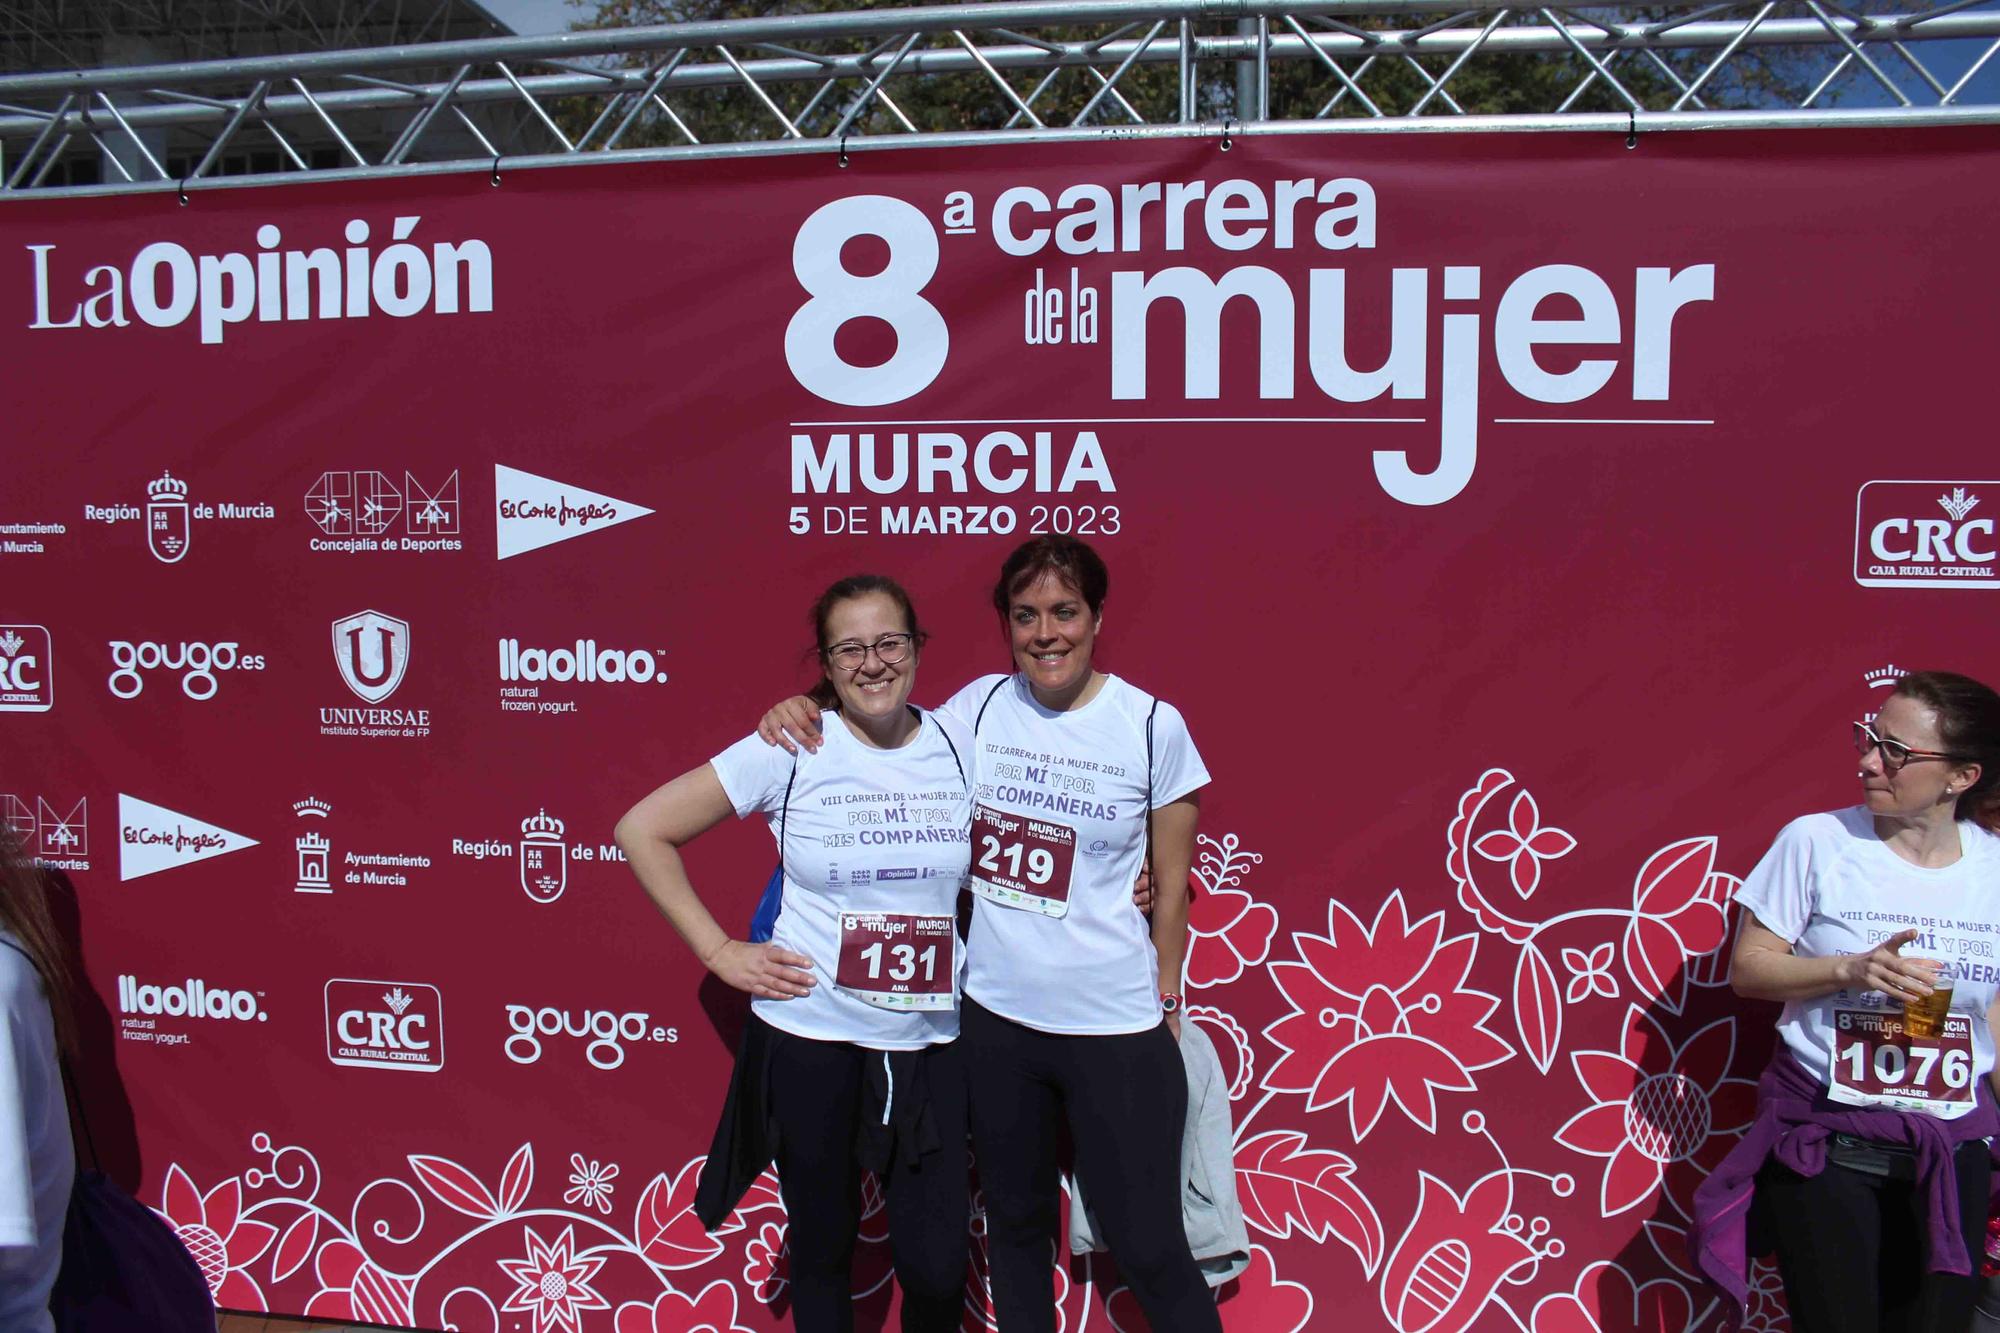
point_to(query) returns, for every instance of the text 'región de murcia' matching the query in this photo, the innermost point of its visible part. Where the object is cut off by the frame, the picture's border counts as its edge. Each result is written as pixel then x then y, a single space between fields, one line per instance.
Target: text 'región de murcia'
pixel 165 284
pixel 1559 333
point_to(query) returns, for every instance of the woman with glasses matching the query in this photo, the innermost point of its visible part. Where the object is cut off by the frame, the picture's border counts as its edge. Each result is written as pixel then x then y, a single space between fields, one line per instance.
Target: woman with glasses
pixel 1072 999
pixel 848 1061
pixel 1878 928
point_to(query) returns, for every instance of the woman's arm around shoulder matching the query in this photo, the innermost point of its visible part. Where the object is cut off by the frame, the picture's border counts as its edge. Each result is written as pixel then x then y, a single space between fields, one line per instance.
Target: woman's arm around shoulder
pixel 651 835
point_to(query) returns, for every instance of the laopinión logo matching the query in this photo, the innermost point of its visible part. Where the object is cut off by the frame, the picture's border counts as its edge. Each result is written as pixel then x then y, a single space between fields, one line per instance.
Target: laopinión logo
pixel 197 662
pixel 165 284
pixel 169 516
pixel 527 673
pixel 27 669
pixel 56 839
pixel 604 1032
pixel 371 650
pixel 362 511
pixel 143 1004
pixel 385 1025
pixel 1926 534
pixel 530 512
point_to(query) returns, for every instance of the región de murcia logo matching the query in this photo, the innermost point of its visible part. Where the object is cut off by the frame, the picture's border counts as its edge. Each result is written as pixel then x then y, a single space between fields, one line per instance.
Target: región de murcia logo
pixel 170 514
pixel 544 858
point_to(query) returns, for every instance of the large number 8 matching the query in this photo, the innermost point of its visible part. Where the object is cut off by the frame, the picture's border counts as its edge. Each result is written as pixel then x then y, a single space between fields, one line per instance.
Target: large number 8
pixel 891 296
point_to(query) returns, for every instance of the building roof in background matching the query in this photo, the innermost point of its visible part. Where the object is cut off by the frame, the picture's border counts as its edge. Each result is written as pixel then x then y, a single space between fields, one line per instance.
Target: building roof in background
pixel 88 34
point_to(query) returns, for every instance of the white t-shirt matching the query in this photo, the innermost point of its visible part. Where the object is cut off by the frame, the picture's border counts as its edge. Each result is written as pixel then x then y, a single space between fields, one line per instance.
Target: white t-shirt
pixel 1829 885
pixel 1058 839
pixel 37 1162
pixel 875 854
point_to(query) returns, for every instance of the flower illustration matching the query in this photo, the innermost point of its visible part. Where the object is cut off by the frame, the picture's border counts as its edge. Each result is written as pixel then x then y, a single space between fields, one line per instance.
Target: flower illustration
pixel 1607 1300
pixel 764 1266
pixel 1589 973
pixel 1456 1252
pixel 591 1184
pixel 222 1241
pixel 1677 916
pixel 1381 1012
pixel 1658 1110
pixel 1766 1311
pixel 713 1311
pixel 351 1288
pixel 553 1283
pixel 1524 844
pixel 1228 930
pixel 1232 1046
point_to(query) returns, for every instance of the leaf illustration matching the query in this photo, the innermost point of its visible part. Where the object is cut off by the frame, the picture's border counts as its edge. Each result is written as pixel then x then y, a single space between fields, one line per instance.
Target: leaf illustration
pixel 455 1187
pixel 1673 876
pixel 665 1226
pixel 295 1246
pixel 517 1178
pixel 1537 1006
pixel 1285 1186
pixel 763 1193
pixel 1653 957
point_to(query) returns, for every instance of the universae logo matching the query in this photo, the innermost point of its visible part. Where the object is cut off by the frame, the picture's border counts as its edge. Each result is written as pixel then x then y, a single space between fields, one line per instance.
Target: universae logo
pixel 1926 534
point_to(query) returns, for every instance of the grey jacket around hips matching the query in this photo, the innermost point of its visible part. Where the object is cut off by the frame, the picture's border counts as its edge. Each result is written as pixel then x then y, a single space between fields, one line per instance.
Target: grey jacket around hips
pixel 1209 1209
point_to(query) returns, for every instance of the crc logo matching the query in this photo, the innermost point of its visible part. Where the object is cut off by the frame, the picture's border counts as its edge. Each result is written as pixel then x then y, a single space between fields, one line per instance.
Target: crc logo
pixel 385 1024
pixel 1926 534
pixel 189 999
pixel 197 663
pixel 372 651
pixel 27 678
pixel 607 1033
pixel 367 504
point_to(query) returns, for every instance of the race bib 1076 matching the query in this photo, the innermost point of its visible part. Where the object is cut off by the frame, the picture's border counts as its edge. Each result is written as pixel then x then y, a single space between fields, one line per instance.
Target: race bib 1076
pixel 1877 1063
pixel 897 960
pixel 1021 861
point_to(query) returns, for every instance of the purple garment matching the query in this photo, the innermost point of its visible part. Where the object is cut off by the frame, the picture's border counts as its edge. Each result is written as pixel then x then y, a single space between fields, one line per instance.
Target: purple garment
pixel 1794 1121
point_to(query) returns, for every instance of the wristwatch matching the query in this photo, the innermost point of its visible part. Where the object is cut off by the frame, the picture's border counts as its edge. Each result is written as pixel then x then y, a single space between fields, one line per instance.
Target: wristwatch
pixel 1170 1002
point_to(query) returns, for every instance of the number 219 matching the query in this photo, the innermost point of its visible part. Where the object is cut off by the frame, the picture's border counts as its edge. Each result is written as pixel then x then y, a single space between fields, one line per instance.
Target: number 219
pixel 1041 862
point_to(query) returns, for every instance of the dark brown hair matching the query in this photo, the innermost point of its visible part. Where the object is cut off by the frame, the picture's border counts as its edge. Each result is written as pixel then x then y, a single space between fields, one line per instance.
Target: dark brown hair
pixel 847 590
pixel 1072 561
pixel 25 912
pixel 1968 715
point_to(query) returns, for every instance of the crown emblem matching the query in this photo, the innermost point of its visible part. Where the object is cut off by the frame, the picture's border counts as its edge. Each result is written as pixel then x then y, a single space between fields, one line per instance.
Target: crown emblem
pixel 1884 675
pixel 166 488
pixel 10 643
pixel 398 1000
pixel 311 806
pixel 542 827
pixel 1958 504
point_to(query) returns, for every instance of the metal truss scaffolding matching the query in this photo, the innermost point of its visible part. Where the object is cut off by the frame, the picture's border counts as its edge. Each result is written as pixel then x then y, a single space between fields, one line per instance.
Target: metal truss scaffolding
pixel 960 74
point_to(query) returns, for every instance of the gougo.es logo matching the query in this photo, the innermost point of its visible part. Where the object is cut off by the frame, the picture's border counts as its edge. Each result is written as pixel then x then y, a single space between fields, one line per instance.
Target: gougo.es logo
pixel 607 1032
pixel 198 664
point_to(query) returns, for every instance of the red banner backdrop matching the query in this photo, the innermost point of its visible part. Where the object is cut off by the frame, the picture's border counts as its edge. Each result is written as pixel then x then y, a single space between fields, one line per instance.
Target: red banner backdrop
pixel 1518 520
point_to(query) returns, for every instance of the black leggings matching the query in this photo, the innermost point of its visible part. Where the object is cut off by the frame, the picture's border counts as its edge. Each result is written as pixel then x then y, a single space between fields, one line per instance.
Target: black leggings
pixel 1125 1099
pixel 816 1100
pixel 1851 1248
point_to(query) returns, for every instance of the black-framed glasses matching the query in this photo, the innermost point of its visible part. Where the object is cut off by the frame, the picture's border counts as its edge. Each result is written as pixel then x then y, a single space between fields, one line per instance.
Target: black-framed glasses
pixel 1894 753
pixel 889 650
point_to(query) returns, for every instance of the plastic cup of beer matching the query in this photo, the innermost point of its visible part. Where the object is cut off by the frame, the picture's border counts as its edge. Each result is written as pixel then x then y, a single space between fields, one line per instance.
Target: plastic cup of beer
pixel 1923 1015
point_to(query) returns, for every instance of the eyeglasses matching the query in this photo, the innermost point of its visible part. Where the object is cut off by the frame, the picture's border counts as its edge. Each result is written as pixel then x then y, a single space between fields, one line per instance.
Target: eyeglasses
pixel 1894 753
pixel 889 650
